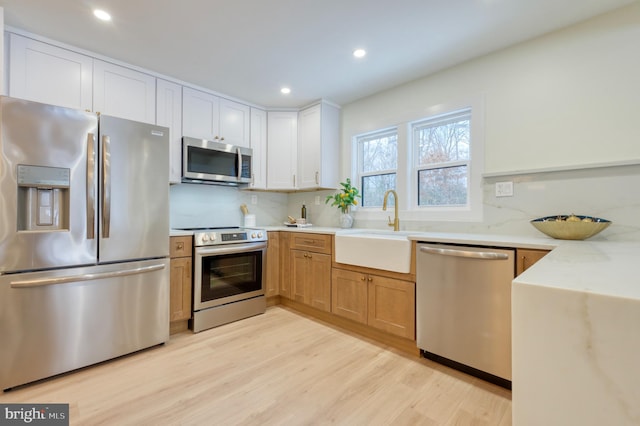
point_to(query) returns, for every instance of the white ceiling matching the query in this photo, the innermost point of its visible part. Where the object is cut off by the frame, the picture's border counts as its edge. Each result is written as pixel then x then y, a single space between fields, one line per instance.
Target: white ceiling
pixel 248 49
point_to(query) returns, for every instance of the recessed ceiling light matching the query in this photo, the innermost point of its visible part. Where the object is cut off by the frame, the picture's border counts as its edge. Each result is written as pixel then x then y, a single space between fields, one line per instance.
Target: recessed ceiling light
pixel 101 15
pixel 359 53
pixel 285 90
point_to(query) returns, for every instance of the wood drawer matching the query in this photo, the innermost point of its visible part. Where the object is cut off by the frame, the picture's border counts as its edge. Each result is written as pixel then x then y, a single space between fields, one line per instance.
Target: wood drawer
pixel 317 243
pixel 180 246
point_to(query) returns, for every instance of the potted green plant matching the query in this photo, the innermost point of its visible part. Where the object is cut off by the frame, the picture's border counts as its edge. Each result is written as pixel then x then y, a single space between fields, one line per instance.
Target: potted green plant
pixel 344 199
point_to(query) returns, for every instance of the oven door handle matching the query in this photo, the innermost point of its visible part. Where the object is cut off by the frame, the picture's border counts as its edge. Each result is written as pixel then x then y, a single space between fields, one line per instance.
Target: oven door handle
pixel 230 249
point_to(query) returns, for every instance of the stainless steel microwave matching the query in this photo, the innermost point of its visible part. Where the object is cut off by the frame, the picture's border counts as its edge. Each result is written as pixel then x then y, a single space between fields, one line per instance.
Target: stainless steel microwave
pixel 214 162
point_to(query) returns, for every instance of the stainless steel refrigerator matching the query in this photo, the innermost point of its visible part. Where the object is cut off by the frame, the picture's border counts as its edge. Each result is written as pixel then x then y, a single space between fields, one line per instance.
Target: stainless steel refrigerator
pixel 84 239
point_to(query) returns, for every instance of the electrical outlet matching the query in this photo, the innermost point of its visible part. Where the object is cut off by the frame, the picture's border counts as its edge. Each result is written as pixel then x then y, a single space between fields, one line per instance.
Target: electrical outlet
pixel 254 199
pixel 504 189
pixel 317 201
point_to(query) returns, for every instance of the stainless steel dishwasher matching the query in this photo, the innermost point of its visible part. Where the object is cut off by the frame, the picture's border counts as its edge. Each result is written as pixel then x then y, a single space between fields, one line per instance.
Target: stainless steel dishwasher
pixel 463 308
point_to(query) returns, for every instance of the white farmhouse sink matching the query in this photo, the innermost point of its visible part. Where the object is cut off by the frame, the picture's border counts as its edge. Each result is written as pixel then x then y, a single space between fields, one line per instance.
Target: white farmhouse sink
pixel 387 250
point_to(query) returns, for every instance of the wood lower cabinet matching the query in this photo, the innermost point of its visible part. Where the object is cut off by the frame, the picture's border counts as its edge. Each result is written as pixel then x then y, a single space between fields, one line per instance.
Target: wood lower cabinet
pixel 391 306
pixel 349 295
pixel 309 264
pixel 525 258
pixel 272 285
pixel 311 279
pixel 387 304
pixel 285 261
pixel 181 282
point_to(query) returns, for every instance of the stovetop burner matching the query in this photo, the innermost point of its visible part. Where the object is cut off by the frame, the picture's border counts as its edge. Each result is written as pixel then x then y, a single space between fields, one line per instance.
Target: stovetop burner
pixel 227 235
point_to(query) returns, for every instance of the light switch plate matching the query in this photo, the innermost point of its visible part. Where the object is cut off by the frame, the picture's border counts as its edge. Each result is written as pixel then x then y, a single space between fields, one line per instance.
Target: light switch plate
pixel 504 189
pixel 254 200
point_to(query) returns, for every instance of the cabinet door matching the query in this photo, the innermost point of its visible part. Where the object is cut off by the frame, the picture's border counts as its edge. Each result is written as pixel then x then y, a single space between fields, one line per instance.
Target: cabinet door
pixel 123 92
pixel 200 115
pixel 349 295
pixel 180 292
pixel 309 147
pixel 234 123
pixel 392 305
pixel 169 114
pixel 285 265
pixel 318 146
pixel 282 128
pixel 319 281
pixel 273 264
pixel 299 273
pixel 525 258
pixel 259 147
pixel 44 73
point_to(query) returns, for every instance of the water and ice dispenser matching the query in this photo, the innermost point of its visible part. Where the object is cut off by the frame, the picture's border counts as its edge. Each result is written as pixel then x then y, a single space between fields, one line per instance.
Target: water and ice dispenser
pixel 43 198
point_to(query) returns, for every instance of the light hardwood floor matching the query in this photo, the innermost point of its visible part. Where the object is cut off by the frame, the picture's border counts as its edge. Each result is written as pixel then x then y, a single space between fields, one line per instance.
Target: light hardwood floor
pixel 280 368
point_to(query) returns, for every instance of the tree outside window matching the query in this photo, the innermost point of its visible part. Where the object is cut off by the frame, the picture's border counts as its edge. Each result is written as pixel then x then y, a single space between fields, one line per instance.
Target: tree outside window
pixel 377 165
pixel 443 159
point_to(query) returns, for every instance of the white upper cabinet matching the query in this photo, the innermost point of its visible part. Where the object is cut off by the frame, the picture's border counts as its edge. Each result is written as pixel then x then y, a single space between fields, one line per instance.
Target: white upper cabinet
pixel 282 135
pixel 210 117
pixel 200 114
pixel 234 123
pixel 123 92
pixel 259 147
pixel 44 73
pixel 169 114
pixel 318 145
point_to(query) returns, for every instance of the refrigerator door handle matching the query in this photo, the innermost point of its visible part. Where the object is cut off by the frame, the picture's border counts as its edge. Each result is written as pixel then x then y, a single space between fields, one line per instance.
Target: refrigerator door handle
pixel 106 186
pixel 239 164
pixel 91 187
pixel 41 282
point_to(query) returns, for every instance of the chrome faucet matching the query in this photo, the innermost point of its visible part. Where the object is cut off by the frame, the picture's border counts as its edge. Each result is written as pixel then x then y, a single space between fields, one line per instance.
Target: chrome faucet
pixel 396 220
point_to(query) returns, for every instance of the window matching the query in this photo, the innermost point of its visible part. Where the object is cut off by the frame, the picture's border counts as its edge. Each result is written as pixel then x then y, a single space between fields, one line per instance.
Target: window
pixel 442 147
pixel 377 165
pixel 433 157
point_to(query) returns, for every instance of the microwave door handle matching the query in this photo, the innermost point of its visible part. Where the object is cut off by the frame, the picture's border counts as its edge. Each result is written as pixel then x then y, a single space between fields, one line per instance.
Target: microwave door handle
pixel 91 186
pixel 106 186
pixel 239 163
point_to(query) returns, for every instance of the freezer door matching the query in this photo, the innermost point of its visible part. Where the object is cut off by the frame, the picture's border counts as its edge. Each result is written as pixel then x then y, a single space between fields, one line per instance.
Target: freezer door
pixel 47 186
pixel 56 321
pixel 134 190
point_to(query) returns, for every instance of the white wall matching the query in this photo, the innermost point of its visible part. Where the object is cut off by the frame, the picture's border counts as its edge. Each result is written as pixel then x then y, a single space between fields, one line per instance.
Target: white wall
pixel 569 98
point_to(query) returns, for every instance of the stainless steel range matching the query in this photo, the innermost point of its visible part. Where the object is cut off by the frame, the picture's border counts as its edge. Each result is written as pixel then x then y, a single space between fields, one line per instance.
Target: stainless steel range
pixel 229 275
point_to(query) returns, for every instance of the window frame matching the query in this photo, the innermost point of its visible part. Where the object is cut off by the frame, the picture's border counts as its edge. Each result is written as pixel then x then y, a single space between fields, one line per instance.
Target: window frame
pixel 433 121
pixel 358 141
pixel 473 210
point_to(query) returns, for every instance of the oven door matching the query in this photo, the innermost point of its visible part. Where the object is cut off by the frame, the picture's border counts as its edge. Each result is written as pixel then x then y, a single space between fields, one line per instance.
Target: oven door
pixel 228 273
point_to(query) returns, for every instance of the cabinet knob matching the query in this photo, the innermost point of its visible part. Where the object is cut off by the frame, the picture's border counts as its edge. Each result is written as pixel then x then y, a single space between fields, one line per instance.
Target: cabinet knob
pixel 180 246
pixel 222 138
pixel 361 278
pixel 369 279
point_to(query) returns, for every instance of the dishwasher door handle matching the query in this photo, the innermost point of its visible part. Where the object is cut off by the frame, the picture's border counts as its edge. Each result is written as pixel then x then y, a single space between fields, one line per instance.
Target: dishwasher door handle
pixel 488 255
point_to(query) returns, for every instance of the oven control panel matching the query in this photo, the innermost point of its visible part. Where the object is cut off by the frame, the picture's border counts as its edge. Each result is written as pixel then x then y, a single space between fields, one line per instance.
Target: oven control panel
pixel 210 238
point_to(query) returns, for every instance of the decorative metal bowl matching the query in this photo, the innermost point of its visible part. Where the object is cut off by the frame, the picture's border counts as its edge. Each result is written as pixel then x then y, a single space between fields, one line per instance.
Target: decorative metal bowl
pixel 570 227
